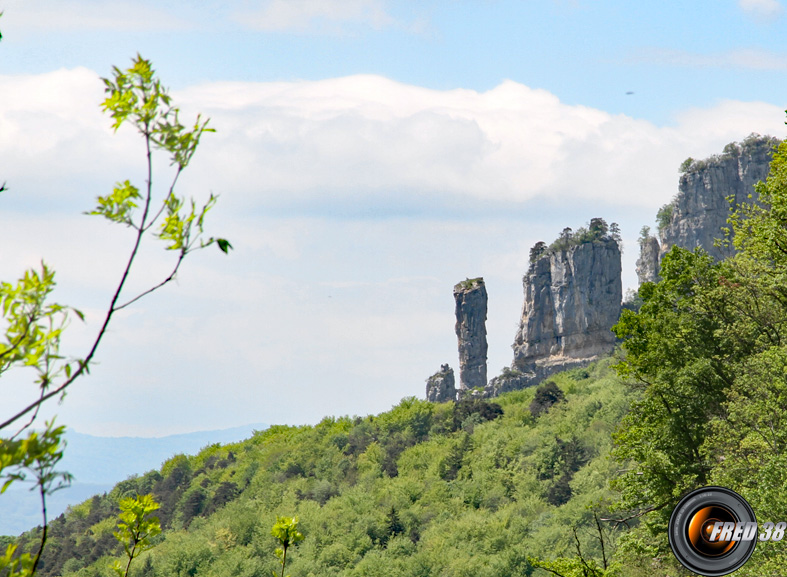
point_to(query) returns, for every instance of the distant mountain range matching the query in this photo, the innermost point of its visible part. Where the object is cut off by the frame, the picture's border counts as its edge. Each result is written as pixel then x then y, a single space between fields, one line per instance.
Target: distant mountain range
pixel 97 463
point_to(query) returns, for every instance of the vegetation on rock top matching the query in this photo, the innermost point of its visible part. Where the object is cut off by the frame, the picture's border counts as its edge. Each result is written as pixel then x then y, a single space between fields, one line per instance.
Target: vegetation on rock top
pixel 597 230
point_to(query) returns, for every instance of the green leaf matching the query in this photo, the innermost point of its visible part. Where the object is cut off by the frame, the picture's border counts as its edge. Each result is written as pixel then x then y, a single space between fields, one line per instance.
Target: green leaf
pixel 224 245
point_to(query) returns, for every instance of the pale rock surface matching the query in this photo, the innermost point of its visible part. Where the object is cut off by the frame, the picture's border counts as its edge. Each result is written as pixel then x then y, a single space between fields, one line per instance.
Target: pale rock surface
pixel 441 386
pixel 648 261
pixel 700 209
pixel 572 299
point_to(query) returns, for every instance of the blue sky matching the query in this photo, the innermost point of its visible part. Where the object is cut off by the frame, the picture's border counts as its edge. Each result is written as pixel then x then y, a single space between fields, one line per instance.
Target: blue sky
pixel 369 154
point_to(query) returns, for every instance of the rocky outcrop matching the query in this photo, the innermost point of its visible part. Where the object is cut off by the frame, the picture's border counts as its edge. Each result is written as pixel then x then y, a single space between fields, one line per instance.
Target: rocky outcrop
pixel 648 261
pixel 572 299
pixel 470 296
pixel 441 387
pixel 698 213
pixel 573 296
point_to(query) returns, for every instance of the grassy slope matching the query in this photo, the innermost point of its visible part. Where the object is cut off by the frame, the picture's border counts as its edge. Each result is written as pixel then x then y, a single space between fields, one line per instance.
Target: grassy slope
pixel 398 494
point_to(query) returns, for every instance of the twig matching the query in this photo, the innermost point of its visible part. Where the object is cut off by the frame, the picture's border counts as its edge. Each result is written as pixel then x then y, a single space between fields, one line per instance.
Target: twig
pixel 41 490
pixel 637 515
pixel 158 286
pixel 83 365
pixel 601 539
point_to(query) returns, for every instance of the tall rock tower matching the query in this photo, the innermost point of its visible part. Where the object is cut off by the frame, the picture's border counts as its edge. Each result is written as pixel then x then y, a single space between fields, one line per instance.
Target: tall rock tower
pixel 470 296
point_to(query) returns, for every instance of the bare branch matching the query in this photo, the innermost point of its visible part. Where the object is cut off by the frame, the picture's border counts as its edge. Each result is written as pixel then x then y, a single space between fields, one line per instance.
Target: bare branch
pixel 41 490
pixel 637 515
pixel 166 198
pixel 601 540
pixel 158 286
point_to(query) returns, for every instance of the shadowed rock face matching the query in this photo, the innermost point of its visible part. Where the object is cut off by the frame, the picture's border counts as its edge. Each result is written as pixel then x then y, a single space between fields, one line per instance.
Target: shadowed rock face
pixel 701 208
pixel 441 387
pixel 572 299
pixel 471 299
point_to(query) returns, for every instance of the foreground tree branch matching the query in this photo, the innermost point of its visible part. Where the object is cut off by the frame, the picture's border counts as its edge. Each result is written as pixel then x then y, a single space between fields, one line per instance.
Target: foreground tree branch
pixel 33 326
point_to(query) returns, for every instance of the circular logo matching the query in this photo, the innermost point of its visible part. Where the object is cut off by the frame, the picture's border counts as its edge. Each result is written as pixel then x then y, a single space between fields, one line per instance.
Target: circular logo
pixel 710 531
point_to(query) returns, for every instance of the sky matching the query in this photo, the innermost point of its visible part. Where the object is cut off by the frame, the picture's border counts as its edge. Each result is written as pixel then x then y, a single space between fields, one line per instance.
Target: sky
pixel 368 155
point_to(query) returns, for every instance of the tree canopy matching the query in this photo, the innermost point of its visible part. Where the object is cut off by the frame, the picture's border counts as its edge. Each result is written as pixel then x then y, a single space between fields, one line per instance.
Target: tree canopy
pixel 707 351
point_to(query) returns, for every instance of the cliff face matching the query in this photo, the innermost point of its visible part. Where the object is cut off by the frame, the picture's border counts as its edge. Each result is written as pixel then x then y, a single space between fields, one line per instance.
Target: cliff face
pixel 699 211
pixel 572 299
pixel 441 386
pixel 471 299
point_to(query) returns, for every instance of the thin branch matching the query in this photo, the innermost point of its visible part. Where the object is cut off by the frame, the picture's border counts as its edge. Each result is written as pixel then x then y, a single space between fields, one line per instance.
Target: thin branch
pixel 601 539
pixel 17 343
pixel 587 569
pixel 32 318
pixel 131 556
pixel 83 365
pixel 158 286
pixel 164 203
pixel 551 571
pixel 32 418
pixel 637 515
pixel 42 490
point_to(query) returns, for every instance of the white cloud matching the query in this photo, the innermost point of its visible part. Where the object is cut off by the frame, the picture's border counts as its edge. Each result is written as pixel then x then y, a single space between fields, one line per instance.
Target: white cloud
pixel 766 9
pixel 365 144
pixel 322 16
pixel 366 141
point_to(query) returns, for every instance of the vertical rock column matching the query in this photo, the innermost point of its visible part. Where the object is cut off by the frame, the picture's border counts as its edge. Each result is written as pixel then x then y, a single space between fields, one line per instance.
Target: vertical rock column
pixel 648 261
pixel 470 296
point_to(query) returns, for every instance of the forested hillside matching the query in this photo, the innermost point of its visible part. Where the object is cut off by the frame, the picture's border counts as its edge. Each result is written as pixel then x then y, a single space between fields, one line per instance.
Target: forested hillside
pixel 708 351
pixel 473 488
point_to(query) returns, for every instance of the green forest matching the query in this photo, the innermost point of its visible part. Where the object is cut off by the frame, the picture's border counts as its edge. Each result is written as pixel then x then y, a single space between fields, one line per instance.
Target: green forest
pixel 468 488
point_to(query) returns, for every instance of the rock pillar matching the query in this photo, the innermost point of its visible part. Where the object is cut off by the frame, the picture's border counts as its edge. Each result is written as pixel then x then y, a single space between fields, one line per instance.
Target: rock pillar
pixel 470 296
pixel 648 261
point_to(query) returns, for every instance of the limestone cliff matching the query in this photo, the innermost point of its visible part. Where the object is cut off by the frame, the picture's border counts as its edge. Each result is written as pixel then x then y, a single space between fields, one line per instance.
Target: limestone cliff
pixel 699 211
pixel 441 386
pixel 471 298
pixel 573 297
